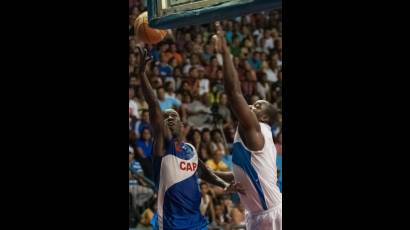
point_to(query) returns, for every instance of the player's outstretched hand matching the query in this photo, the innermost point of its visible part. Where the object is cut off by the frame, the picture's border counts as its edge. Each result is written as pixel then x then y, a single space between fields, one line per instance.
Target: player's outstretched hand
pixel 235 187
pixel 218 40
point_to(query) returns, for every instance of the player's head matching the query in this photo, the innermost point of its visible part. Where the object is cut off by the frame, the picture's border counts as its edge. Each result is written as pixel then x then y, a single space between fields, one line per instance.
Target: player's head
pixel 264 111
pixel 173 121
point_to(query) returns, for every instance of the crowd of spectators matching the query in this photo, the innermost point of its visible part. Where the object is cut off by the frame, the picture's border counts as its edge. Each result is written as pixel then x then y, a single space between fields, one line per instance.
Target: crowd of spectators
pixel 187 75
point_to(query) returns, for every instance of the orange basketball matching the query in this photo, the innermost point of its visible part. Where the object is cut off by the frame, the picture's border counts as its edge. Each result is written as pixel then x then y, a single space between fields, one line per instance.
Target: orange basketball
pixel 145 33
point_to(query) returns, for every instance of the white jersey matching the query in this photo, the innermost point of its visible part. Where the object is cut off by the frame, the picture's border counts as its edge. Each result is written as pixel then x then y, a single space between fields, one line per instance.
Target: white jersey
pixel 256 171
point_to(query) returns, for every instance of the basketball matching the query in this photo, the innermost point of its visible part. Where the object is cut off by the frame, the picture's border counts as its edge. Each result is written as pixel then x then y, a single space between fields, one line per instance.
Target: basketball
pixel 146 34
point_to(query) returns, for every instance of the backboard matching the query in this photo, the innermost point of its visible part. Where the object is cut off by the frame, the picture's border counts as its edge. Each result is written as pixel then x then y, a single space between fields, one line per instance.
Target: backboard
pixel 166 14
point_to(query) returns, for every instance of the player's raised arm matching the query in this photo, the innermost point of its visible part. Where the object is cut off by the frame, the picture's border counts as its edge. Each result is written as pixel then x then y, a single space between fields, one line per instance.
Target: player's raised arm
pixel 155 113
pixel 249 127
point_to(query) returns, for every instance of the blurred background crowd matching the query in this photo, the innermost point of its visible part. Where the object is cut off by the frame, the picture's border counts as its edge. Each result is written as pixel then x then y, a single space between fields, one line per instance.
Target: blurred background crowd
pixel 187 76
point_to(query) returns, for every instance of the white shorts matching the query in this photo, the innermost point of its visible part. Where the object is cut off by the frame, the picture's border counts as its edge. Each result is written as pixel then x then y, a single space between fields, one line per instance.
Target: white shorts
pixel 270 219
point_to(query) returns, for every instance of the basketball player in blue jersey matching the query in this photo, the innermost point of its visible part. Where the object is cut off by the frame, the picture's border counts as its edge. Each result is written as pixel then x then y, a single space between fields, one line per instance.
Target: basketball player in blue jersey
pixel 176 167
pixel 253 152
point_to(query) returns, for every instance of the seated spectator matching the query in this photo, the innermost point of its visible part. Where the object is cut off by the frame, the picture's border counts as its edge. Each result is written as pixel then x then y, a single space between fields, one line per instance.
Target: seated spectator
pixel 170 89
pixel 206 206
pixel 133 107
pixel 167 102
pixel 199 112
pixel 203 84
pixel 175 54
pixel 223 111
pixel 216 163
pixel 263 86
pixel 144 143
pixel 218 142
pixel 194 138
pixel 138 188
pixel 164 68
pixel 142 123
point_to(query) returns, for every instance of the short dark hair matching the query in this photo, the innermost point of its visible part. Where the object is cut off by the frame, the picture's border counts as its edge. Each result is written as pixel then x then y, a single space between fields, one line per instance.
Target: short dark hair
pixel 215 131
pixel 205 130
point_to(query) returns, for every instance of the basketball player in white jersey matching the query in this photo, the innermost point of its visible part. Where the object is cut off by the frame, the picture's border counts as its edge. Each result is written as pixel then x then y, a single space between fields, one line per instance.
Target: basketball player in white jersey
pixel 253 153
pixel 176 167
